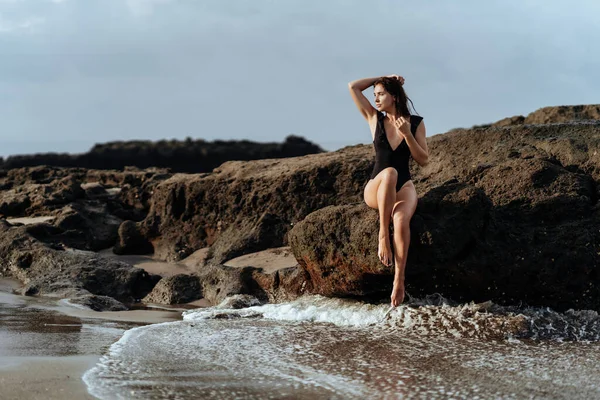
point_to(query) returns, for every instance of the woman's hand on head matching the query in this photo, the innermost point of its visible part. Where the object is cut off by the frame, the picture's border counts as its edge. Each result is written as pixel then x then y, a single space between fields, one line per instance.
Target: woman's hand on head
pixel 400 78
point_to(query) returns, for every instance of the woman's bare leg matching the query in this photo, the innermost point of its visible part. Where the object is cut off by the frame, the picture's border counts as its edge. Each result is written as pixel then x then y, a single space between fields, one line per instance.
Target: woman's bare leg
pixel 380 193
pixel 404 208
pixel 386 194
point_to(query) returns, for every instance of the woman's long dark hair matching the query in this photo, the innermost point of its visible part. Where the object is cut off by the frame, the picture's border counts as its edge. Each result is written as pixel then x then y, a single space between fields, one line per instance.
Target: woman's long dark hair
pixel 393 87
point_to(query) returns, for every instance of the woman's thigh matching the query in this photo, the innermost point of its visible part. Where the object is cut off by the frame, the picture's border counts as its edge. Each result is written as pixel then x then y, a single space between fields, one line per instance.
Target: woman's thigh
pixel 406 202
pixel 370 192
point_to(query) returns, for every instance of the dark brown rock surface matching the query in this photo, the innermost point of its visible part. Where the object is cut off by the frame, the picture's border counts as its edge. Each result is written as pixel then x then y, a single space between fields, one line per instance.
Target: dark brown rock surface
pixel 552 115
pixel 243 207
pixel 505 214
pixel 175 289
pixel 68 274
pixel 46 190
pixel 558 114
pixel 218 282
pixel 177 155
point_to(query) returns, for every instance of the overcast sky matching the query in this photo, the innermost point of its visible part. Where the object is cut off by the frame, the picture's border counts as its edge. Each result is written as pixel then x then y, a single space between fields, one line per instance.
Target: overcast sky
pixel 77 72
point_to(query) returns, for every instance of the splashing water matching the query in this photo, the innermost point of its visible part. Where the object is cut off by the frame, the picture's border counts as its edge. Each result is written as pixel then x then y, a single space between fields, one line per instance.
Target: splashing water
pixel 316 347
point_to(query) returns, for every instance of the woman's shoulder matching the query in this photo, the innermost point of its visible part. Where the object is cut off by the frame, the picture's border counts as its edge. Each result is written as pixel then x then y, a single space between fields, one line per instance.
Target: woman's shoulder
pixel 416 119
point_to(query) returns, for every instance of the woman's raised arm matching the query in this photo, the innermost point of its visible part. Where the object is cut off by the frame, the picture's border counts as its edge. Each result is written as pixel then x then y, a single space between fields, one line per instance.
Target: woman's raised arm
pixel 364 106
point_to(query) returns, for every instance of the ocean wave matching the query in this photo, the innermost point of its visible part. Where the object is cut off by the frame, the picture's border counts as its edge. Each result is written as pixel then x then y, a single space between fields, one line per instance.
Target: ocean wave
pixel 323 348
pixel 432 315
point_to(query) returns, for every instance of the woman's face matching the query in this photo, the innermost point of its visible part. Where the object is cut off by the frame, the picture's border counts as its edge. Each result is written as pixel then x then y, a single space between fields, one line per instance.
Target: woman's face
pixel 383 100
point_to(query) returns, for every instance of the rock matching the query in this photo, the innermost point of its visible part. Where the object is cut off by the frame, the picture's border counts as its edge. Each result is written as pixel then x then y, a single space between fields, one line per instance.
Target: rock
pixel 131 240
pixel 175 289
pixel 85 207
pixel 218 282
pixel 337 246
pixel 45 190
pixel 179 156
pixel 34 198
pixel 87 227
pixel 505 214
pixel 551 115
pixel 558 114
pixel 98 303
pixel 238 301
pixel 249 206
pixel 78 226
pixel 14 203
pixel 484 194
pixel 516 120
pixel 49 272
pixel 95 190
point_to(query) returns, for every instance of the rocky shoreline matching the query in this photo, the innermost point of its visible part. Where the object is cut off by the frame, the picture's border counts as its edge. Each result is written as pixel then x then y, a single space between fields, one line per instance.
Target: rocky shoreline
pixel 507 212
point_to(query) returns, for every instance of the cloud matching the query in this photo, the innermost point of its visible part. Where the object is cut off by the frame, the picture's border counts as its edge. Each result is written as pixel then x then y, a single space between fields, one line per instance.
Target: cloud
pixel 142 8
pixel 28 25
pixel 89 71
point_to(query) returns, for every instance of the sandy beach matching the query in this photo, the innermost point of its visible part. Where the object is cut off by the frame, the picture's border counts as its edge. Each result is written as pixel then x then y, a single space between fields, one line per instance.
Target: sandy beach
pixel 46 346
pixel 23 378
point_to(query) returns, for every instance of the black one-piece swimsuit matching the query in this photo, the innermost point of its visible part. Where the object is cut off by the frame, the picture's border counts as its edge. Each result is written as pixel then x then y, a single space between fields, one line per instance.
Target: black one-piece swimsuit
pixel 396 158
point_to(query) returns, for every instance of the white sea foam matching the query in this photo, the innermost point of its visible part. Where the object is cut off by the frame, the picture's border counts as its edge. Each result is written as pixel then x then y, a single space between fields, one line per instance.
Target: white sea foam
pixel 433 315
pixel 469 320
pixel 340 312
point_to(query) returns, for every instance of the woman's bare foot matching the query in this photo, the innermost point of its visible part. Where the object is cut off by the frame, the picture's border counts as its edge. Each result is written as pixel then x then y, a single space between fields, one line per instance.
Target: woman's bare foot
pixel 397 293
pixel 385 252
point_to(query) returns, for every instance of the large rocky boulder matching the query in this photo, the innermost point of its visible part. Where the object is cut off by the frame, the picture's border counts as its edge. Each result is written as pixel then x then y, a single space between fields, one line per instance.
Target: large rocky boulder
pixel 244 207
pixel 219 281
pixel 508 214
pixel 215 283
pixel 68 274
pixel 337 245
pixel 176 289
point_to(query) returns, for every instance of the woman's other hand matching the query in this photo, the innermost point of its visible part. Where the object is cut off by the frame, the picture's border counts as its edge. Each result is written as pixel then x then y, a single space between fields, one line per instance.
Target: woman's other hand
pixel 402 126
pixel 400 78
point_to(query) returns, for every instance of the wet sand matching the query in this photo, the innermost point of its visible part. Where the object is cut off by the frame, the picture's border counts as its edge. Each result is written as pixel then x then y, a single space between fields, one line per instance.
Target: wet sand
pixel 150 264
pixel 50 378
pixel 46 346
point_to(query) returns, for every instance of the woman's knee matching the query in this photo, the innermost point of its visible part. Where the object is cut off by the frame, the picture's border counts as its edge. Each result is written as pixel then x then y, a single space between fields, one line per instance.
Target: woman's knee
pixel 371 202
pixel 390 173
pixel 370 196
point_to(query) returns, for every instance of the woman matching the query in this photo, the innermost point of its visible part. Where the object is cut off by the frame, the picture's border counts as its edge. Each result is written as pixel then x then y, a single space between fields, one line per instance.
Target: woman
pixel 397 135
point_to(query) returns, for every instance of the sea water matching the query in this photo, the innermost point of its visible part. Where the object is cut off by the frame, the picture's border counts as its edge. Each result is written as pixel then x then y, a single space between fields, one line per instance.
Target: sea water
pixel 320 348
